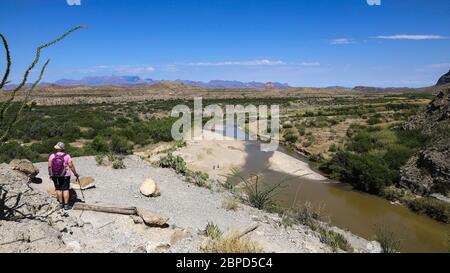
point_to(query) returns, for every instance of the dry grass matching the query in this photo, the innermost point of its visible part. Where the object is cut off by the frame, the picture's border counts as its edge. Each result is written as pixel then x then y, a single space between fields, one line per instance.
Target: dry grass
pixel 231 204
pixel 231 243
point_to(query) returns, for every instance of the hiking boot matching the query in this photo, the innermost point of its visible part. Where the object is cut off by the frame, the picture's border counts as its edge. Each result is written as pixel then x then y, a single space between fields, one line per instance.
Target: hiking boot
pixel 67 207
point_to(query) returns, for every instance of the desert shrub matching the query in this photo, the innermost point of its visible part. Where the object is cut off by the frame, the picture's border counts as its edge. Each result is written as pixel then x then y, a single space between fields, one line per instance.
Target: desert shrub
pixel 333 148
pixel 313 218
pixel 160 129
pixel 257 195
pixel 120 145
pixel 287 125
pixel 174 162
pixel 392 193
pixel 301 130
pixel 335 240
pixel 291 135
pixel 232 243
pixel 412 138
pixel 198 178
pixel 100 159
pixel 361 143
pixel 309 216
pixel 88 134
pixel 45 146
pixel 436 209
pixel 118 163
pixel 230 204
pixel 308 114
pixel 397 155
pixel 387 239
pixel 316 157
pixel 365 172
pixel 99 144
pixel 373 157
pixel 13 150
pixel 212 231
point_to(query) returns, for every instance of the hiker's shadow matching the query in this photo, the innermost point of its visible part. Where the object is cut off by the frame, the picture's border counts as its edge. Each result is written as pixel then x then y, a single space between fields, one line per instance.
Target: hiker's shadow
pixel 74 197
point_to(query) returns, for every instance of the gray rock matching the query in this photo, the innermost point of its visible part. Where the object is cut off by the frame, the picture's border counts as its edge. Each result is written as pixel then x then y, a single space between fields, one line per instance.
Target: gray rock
pixel 429 170
pixel 24 166
pixel 445 79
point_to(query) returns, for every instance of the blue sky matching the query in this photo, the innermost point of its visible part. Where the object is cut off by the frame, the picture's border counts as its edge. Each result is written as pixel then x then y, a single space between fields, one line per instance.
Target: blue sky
pixel 301 42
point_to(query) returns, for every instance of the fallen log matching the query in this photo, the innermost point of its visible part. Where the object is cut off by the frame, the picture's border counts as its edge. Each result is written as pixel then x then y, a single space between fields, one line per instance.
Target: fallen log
pixel 107 209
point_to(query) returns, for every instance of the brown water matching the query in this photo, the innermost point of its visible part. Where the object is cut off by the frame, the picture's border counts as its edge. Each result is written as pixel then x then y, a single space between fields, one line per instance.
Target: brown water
pixel 352 210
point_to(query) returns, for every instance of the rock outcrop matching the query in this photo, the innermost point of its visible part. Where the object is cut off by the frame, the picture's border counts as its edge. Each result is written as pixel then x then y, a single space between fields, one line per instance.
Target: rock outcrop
pixel 429 171
pixel 24 166
pixel 30 221
pixel 445 79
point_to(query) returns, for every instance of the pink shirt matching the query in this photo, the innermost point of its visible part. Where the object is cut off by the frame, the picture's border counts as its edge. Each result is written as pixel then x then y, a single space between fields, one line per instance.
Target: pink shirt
pixel 67 161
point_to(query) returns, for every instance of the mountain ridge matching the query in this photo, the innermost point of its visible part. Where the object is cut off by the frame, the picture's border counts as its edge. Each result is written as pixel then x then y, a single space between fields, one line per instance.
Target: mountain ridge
pixel 136 80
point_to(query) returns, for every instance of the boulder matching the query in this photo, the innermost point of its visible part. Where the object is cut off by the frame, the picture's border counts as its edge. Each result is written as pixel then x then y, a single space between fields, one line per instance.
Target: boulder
pixel 24 166
pixel 150 188
pixel 85 182
pixel 152 219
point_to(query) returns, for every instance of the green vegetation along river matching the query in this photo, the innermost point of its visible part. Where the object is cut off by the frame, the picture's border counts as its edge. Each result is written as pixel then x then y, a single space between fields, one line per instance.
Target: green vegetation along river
pixel 352 210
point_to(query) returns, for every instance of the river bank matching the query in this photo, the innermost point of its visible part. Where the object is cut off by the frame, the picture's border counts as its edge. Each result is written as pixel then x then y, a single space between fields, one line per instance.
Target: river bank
pixel 358 212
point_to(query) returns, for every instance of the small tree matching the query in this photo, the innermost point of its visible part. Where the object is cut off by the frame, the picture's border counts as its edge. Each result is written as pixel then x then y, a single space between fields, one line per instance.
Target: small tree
pixel 6 125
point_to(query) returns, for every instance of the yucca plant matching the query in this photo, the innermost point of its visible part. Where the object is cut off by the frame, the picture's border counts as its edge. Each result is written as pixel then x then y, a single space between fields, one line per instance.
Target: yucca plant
pixel 258 194
pixel 14 114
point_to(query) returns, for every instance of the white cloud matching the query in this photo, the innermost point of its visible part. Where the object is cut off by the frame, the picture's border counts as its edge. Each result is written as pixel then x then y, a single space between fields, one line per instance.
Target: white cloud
pixel 309 64
pixel 442 65
pixel 73 2
pixel 342 41
pixel 238 63
pixel 134 69
pixel 410 37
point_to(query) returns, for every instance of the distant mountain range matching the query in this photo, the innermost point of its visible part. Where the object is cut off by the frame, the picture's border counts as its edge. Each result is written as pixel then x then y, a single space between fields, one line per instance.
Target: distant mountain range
pixel 135 80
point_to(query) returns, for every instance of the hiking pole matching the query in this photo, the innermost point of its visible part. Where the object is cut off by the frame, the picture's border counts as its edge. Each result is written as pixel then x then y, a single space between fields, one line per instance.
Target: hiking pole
pixel 81 189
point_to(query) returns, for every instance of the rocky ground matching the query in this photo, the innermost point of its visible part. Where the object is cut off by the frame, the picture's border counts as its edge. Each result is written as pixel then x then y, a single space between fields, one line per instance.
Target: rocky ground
pixel 428 171
pixel 30 220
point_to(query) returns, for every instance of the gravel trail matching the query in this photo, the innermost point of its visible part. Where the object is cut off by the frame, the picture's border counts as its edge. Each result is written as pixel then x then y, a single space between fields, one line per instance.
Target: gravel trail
pixel 189 208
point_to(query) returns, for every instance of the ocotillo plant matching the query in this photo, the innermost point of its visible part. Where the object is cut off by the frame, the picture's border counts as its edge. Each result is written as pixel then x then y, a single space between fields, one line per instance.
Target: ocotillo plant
pixel 5 107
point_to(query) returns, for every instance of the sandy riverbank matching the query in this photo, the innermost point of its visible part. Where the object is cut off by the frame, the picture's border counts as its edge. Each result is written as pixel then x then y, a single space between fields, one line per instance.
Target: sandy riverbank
pixel 219 157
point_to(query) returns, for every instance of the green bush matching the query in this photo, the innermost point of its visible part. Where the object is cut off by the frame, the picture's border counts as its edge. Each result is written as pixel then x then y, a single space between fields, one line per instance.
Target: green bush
pixel 120 145
pixel 13 150
pixel 198 178
pixel 437 209
pixel 291 135
pixel 257 194
pixel 174 162
pixel 397 155
pixel 118 163
pixel 364 172
pixel 99 145
pixel 387 239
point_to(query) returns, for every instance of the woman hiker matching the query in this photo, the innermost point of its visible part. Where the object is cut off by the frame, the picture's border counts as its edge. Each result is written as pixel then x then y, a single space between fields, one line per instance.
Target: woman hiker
pixel 59 166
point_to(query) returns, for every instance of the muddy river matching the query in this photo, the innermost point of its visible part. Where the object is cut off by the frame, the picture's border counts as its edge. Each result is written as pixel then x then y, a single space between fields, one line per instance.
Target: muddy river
pixel 351 210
